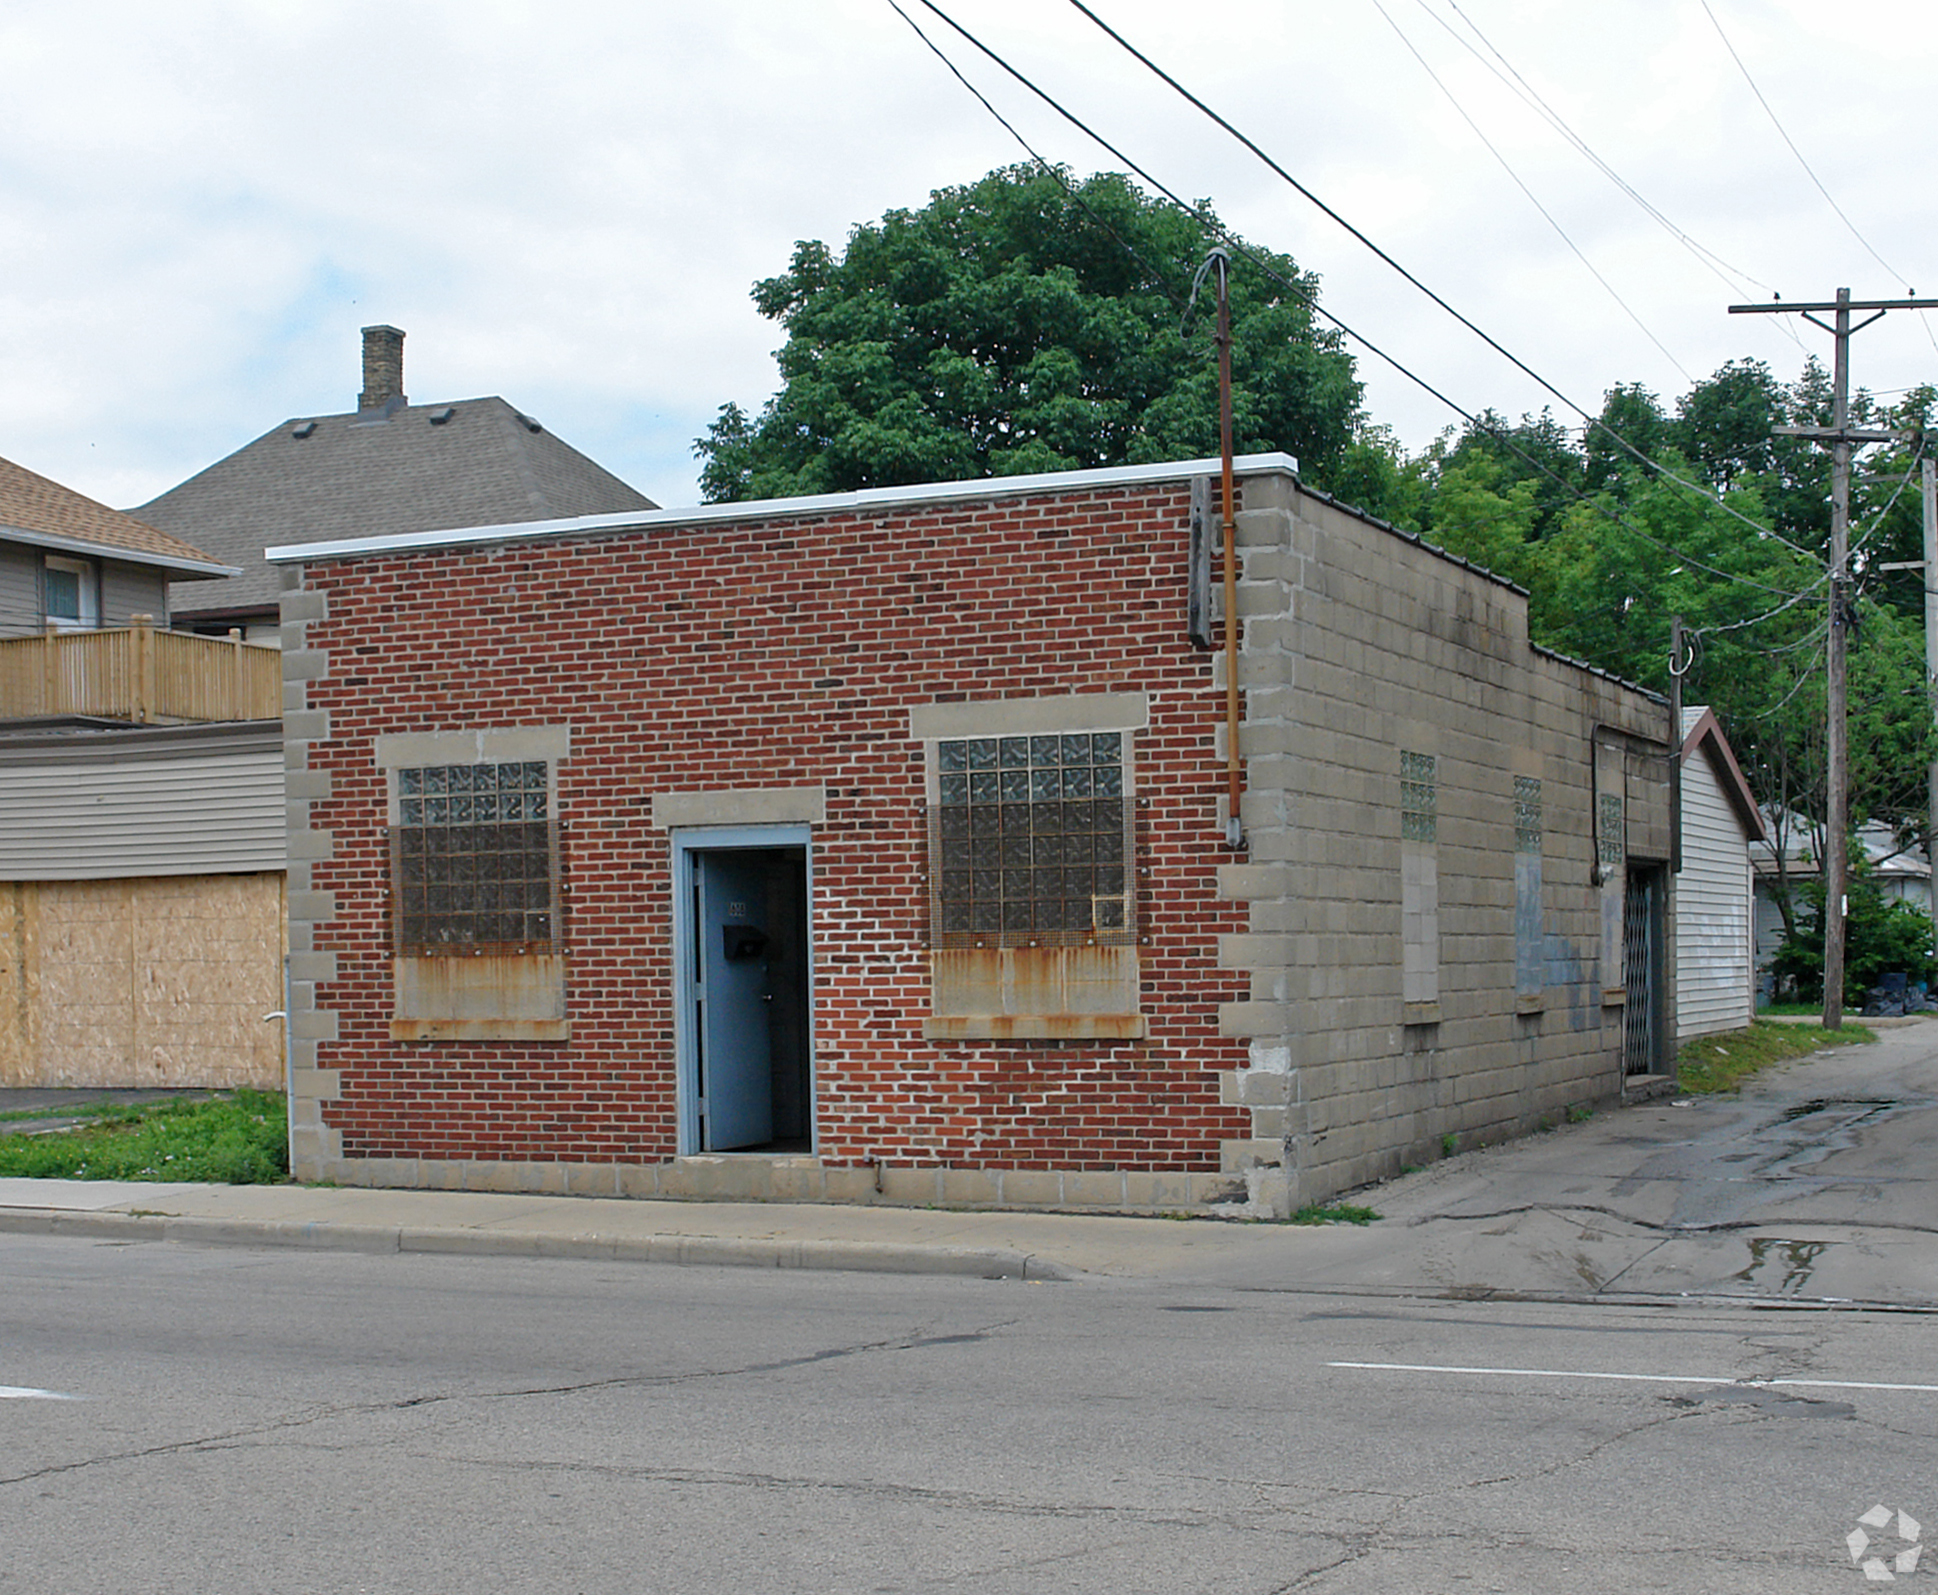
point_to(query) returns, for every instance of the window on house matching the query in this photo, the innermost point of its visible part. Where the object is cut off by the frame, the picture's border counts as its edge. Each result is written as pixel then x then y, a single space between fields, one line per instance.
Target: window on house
pixel 1031 842
pixel 474 860
pixel 70 597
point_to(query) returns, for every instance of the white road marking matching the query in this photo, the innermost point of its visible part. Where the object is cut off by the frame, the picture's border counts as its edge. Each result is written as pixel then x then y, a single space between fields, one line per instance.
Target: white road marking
pixel 24 1393
pixel 1642 1378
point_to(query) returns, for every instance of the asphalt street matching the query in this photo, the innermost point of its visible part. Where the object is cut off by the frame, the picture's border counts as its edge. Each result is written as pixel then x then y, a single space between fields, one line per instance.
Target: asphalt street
pixel 1674 1348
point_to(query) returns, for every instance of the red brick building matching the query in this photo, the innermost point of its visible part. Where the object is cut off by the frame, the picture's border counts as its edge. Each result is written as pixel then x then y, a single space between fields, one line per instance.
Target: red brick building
pixel 872 846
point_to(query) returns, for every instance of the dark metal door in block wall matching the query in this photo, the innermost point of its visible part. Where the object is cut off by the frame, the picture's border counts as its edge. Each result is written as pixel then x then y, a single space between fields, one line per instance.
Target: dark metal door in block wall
pixel 1642 971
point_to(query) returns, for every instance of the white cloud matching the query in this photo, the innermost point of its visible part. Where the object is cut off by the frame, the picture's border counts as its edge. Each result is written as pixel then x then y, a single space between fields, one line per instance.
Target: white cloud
pixel 201 203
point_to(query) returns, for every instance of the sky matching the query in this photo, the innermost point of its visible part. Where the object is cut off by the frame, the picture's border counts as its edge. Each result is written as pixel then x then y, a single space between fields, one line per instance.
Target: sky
pixel 567 204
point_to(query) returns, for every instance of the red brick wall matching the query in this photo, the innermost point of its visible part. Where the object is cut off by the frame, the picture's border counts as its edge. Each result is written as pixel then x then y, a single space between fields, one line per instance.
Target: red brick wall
pixel 781 654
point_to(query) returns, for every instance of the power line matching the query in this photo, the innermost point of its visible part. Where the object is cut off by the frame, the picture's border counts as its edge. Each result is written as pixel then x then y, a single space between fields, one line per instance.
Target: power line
pixel 1509 75
pixel 1769 111
pixel 1546 214
pixel 1715 263
pixel 1493 343
pixel 1300 290
pixel 1054 171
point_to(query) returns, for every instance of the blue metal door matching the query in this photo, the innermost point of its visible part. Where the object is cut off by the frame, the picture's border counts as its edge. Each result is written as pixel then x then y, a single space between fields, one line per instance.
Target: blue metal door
pixel 731 977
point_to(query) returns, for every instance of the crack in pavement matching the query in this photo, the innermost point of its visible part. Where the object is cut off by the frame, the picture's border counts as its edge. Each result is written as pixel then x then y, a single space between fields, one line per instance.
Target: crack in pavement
pixel 235 1437
pixel 1722 1226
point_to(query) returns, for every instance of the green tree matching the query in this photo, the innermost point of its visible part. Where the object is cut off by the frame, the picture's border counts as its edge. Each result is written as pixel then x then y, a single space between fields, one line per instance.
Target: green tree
pixel 1029 322
pixel 1881 938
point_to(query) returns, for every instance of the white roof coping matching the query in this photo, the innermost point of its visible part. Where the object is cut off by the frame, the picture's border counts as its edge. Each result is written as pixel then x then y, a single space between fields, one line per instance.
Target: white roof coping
pixel 773 508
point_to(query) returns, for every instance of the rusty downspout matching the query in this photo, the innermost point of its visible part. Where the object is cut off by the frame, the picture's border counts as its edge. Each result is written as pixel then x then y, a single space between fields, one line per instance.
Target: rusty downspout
pixel 1234 770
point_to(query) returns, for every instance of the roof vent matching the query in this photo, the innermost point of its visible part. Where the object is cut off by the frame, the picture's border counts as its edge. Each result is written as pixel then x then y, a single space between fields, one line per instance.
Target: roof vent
pixel 304 430
pixel 439 417
pixel 526 422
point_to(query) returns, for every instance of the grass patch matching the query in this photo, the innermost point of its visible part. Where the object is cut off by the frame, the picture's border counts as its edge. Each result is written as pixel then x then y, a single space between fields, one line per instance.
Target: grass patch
pixel 1721 1063
pixel 1334 1213
pixel 238 1139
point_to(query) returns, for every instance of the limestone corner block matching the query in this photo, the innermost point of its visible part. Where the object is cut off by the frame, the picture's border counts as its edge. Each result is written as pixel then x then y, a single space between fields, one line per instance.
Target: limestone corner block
pixel 1242 882
pixel 306 725
pixel 1234 1157
pixel 312 906
pixel 304 604
pixel 1253 1019
pixel 1245 950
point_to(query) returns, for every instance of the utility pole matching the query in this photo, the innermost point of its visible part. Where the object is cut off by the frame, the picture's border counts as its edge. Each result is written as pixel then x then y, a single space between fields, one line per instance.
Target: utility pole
pixel 1842 439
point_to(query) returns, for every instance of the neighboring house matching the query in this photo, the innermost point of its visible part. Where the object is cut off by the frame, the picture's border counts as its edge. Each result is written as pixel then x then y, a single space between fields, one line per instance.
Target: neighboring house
pixel 141 878
pixel 1715 938
pixel 141 852
pixel 70 564
pixel 387 467
pixel 1901 873
pixel 872 847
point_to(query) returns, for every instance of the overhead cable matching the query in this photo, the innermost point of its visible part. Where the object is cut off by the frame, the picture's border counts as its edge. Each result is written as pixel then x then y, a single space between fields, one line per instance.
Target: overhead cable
pixel 1304 294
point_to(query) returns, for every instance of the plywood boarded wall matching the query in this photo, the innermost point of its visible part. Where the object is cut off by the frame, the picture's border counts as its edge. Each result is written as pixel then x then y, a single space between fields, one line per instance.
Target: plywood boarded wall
pixel 159 981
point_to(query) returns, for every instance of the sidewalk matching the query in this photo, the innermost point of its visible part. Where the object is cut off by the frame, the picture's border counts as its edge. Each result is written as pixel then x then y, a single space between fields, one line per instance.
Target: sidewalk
pixel 1813 1184
pixel 1033 1246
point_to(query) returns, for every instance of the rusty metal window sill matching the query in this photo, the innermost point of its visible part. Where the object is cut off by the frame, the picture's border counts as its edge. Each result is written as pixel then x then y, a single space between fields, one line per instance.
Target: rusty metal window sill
pixel 1038 1027
pixel 480 1030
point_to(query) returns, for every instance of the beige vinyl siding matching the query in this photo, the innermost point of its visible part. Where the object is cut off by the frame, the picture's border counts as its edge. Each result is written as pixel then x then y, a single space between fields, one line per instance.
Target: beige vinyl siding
pixel 109 805
pixel 19 590
pixel 1714 989
pixel 132 590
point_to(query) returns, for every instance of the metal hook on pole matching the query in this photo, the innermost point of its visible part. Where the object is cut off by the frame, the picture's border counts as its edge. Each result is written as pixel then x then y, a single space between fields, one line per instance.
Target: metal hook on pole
pixel 1690 646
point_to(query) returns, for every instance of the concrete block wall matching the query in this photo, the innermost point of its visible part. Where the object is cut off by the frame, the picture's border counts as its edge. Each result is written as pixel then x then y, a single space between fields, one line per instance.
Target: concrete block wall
pixel 1361 642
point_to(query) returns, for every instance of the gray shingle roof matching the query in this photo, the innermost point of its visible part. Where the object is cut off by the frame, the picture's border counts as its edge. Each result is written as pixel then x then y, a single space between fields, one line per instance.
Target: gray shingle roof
pixel 314 479
pixel 34 508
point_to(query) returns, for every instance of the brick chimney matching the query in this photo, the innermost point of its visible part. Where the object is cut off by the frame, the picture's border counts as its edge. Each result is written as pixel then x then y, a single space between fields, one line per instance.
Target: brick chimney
pixel 383 369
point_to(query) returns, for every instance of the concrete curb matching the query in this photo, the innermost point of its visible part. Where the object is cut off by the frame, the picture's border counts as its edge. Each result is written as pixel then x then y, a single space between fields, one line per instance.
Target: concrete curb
pixel 721 1251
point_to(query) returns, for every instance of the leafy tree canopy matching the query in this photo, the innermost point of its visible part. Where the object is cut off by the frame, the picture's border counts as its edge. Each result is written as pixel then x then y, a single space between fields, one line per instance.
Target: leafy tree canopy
pixel 1028 322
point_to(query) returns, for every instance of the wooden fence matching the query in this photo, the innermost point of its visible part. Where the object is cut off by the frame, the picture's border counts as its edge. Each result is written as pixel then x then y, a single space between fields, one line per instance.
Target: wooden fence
pixel 139 674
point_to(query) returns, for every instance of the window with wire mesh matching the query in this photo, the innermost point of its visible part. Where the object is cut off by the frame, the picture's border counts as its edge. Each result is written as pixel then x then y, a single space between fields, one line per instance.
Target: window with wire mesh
pixel 1030 842
pixel 474 860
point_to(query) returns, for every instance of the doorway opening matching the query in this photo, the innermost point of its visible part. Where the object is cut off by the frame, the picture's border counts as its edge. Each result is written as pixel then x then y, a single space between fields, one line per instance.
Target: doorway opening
pixel 1642 966
pixel 744 1043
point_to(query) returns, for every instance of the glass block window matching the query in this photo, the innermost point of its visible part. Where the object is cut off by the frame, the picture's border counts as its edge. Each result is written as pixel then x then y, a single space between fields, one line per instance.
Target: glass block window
pixel 1418 801
pixel 1530 969
pixel 1527 814
pixel 1612 848
pixel 474 860
pixel 1031 841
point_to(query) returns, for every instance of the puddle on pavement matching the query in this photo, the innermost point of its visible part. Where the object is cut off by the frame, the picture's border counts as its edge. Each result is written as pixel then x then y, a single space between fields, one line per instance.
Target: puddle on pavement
pixel 1777 1403
pixel 1797 1259
pixel 1863 1107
